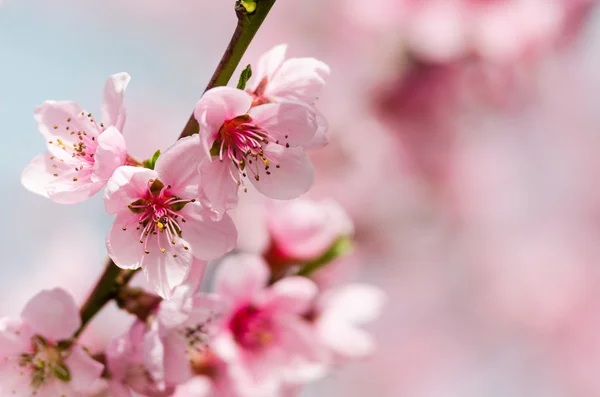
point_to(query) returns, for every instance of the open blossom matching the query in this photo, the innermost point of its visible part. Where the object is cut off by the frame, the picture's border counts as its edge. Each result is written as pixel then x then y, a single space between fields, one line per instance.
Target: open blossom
pixel 263 337
pixel 278 79
pixel 33 362
pixel 304 229
pixel 82 152
pixel 262 144
pixel 160 226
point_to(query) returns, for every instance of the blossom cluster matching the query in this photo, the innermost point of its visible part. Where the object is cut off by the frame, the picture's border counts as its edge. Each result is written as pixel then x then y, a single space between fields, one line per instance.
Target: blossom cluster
pixel 272 323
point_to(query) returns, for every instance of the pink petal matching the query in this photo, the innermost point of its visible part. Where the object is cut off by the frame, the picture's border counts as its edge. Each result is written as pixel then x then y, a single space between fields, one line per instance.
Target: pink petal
pixel 199 386
pixel 117 389
pixel 291 294
pixel 59 119
pixel 110 154
pixel 290 123
pixel 154 354
pixel 112 110
pixel 194 278
pixel 293 177
pixel 225 347
pixel 344 339
pixel 268 64
pixel 320 140
pixel 300 79
pixel 124 246
pixel 208 239
pixel 52 314
pixel 167 270
pixel 38 174
pixel 65 191
pixel 215 107
pixel 219 191
pixel 83 368
pixel 354 303
pixel 176 362
pixel 239 277
pixel 176 167
pixel 11 344
pixel 127 185
pixel 299 341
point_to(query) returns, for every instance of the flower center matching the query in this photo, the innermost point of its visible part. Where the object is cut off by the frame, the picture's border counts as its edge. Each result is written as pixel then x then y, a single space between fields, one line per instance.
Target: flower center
pixel 252 328
pixel 158 217
pixel 242 142
pixel 45 362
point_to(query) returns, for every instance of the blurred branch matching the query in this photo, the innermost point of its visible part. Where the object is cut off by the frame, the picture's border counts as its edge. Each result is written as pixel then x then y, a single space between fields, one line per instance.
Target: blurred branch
pixel 250 15
pixel 107 288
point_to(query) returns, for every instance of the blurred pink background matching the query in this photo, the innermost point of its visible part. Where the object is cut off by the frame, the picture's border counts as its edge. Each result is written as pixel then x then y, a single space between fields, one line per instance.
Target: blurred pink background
pixel 465 141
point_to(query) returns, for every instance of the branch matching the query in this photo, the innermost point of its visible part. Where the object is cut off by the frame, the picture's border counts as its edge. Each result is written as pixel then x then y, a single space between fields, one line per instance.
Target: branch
pixel 250 15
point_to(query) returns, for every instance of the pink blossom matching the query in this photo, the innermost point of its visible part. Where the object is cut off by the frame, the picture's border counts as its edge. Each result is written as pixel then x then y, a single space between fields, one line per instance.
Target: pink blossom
pixel 304 229
pixel 277 79
pixel 82 153
pixel 263 144
pixel 211 378
pixel 340 311
pixel 33 361
pixel 263 337
pixel 160 226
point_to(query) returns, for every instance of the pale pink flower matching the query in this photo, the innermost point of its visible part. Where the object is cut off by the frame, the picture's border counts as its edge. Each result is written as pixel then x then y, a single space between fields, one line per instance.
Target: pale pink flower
pixel 82 152
pixel 277 79
pixel 304 229
pixel 263 337
pixel 128 372
pixel 32 359
pixel 160 226
pixel 338 314
pixel 263 144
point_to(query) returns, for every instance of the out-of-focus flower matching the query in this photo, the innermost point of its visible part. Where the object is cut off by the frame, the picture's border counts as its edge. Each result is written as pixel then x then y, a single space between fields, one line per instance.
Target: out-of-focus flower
pixel 304 229
pixel 160 226
pixel 263 144
pixel 128 372
pixel 36 357
pixel 82 153
pixel 264 338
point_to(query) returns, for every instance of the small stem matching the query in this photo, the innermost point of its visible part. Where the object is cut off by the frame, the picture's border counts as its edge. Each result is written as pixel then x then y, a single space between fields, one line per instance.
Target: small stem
pixel 250 14
pixel 107 288
pixel 247 26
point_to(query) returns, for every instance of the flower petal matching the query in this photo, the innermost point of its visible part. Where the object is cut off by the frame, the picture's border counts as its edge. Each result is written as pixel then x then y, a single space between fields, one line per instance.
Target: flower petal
pixel 320 140
pixel 123 241
pixel 344 339
pixel 127 185
pixel 166 270
pixel 199 386
pixel 208 239
pixel 176 167
pixel 38 174
pixel 65 191
pixel 290 123
pixel 176 362
pixel 112 110
pixel 83 368
pixel 300 79
pixel 293 294
pixel 239 277
pixel 354 303
pixel 194 278
pixel 215 107
pixel 52 314
pixel 291 173
pixel 268 64
pixel 110 154
pixel 218 191
pixel 60 120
